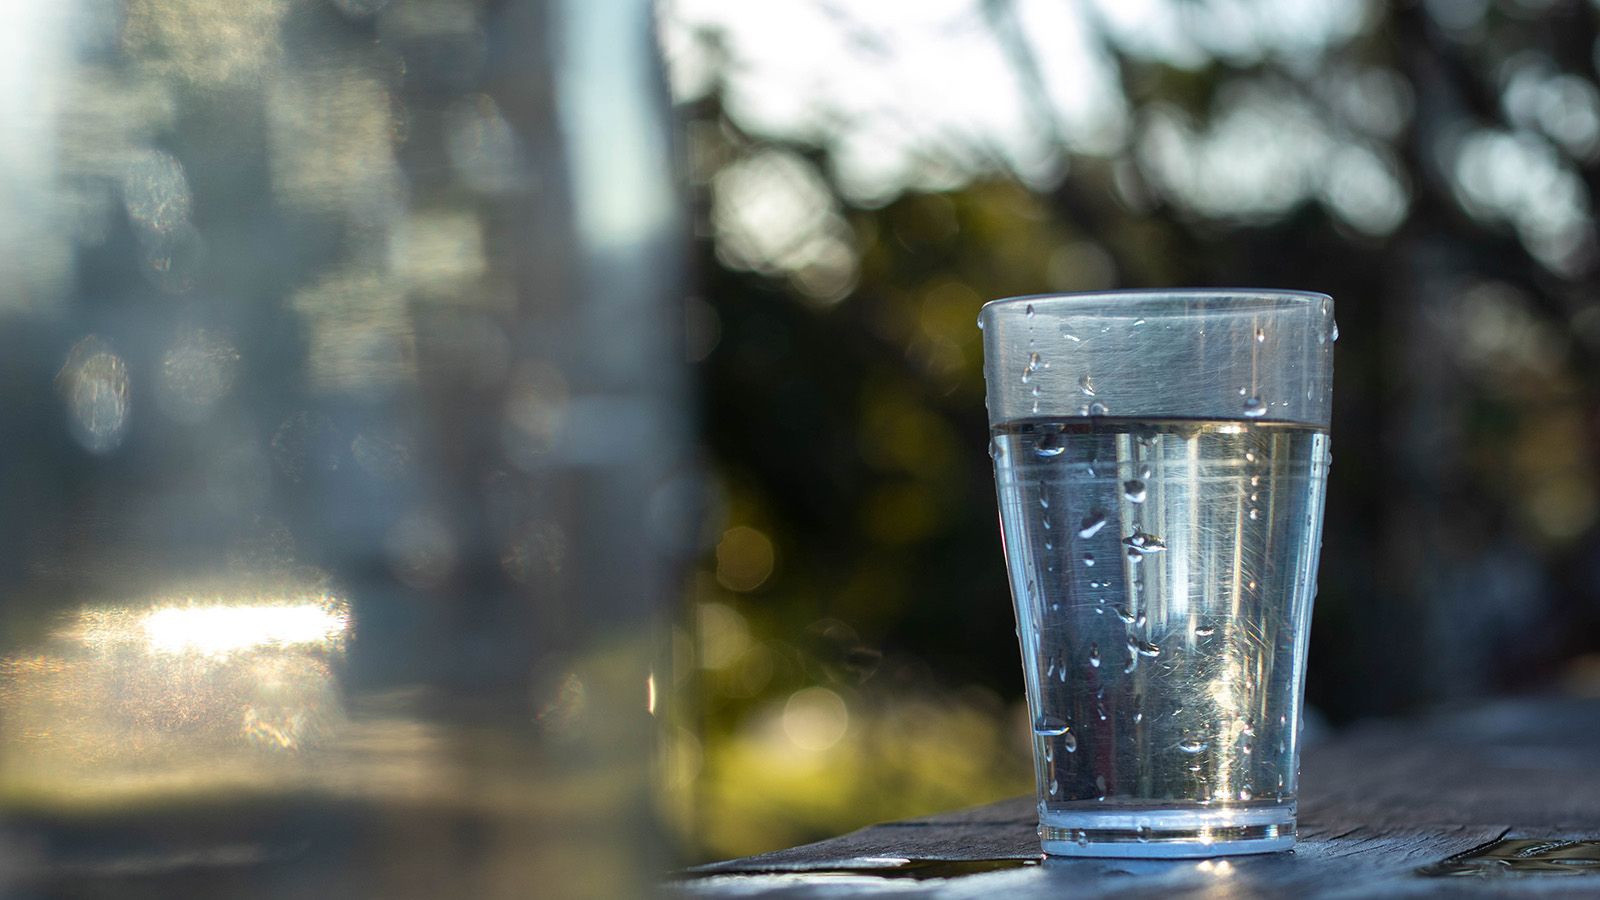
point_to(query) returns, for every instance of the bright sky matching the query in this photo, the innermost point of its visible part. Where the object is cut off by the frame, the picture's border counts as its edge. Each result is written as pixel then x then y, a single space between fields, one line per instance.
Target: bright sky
pixel 891 82
pixel 925 94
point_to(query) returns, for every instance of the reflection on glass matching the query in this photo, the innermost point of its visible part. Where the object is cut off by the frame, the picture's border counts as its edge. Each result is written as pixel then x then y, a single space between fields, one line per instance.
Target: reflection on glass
pixel 333 399
pixel 174 695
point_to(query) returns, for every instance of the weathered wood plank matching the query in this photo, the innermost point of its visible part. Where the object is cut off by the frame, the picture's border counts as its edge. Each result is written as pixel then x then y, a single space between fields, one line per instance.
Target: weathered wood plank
pixel 1378 804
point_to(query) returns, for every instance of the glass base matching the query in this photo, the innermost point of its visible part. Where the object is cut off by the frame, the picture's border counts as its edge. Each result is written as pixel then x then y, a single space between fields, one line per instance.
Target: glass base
pixel 1166 833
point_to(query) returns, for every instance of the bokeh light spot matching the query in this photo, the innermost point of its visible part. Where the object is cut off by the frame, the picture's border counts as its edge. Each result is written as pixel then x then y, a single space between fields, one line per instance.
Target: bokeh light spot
pixel 196 372
pixel 155 191
pixel 94 384
pixel 724 635
pixel 745 558
pixel 815 718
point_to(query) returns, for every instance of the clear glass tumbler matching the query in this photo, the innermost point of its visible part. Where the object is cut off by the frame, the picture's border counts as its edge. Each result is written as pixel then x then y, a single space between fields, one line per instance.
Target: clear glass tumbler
pixel 1161 460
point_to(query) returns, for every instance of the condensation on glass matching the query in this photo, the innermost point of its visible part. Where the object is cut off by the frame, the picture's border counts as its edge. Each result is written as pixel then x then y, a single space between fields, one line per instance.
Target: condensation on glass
pixel 1161 461
pixel 343 467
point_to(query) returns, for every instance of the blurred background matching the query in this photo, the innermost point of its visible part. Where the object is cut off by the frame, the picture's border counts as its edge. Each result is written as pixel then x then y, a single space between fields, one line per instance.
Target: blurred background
pixel 444 441
pixel 344 470
pixel 864 176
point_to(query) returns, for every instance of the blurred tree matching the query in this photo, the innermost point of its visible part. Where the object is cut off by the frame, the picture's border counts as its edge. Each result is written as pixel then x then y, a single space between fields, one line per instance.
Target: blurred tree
pixel 1432 165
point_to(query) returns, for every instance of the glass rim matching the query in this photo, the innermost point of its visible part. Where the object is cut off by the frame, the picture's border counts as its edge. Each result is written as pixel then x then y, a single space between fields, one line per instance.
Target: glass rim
pixel 1270 297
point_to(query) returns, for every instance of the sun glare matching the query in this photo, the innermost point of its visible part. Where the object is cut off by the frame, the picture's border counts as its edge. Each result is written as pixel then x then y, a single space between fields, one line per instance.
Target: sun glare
pixel 220 630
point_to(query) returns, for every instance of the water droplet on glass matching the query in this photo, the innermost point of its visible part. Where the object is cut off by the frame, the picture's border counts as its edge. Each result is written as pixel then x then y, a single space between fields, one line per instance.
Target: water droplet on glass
pixel 1143 833
pixel 1148 649
pixel 1049 753
pixel 1049 445
pixel 1045 521
pixel 1054 787
pixel 1098 409
pixel 1094 655
pixel 1192 745
pixel 1044 502
pixel 1051 669
pixel 1249 456
pixel 1124 615
pixel 1030 368
pixel 1254 513
pixel 1137 717
pixel 1094 585
pixel 1204 630
pixel 1088 559
pixel 1139 621
pixel 1081 837
pixel 1029 310
pixel 1050 726
pixel 1255 480
pixel 1133 663
pixel 995 450
pixel 1250 585
pixel 1245 793
pixel 1261 335
pixel 1144 473
pixel 1334 335
pixel 1134 490
pixel 1134 556
pixel 1254 408
pixel 1069 742
pixel 1144 542
pixel 980 323
pixel 1247 748
pixel 1092 524
pixel 1086 384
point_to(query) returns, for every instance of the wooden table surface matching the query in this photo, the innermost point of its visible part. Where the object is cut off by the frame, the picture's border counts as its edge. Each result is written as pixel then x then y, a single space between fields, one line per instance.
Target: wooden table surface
pixel 1384 809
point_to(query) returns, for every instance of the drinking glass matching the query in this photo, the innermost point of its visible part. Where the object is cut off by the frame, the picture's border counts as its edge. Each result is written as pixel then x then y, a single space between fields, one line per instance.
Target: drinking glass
pixel 1161 459
pixel 346 473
